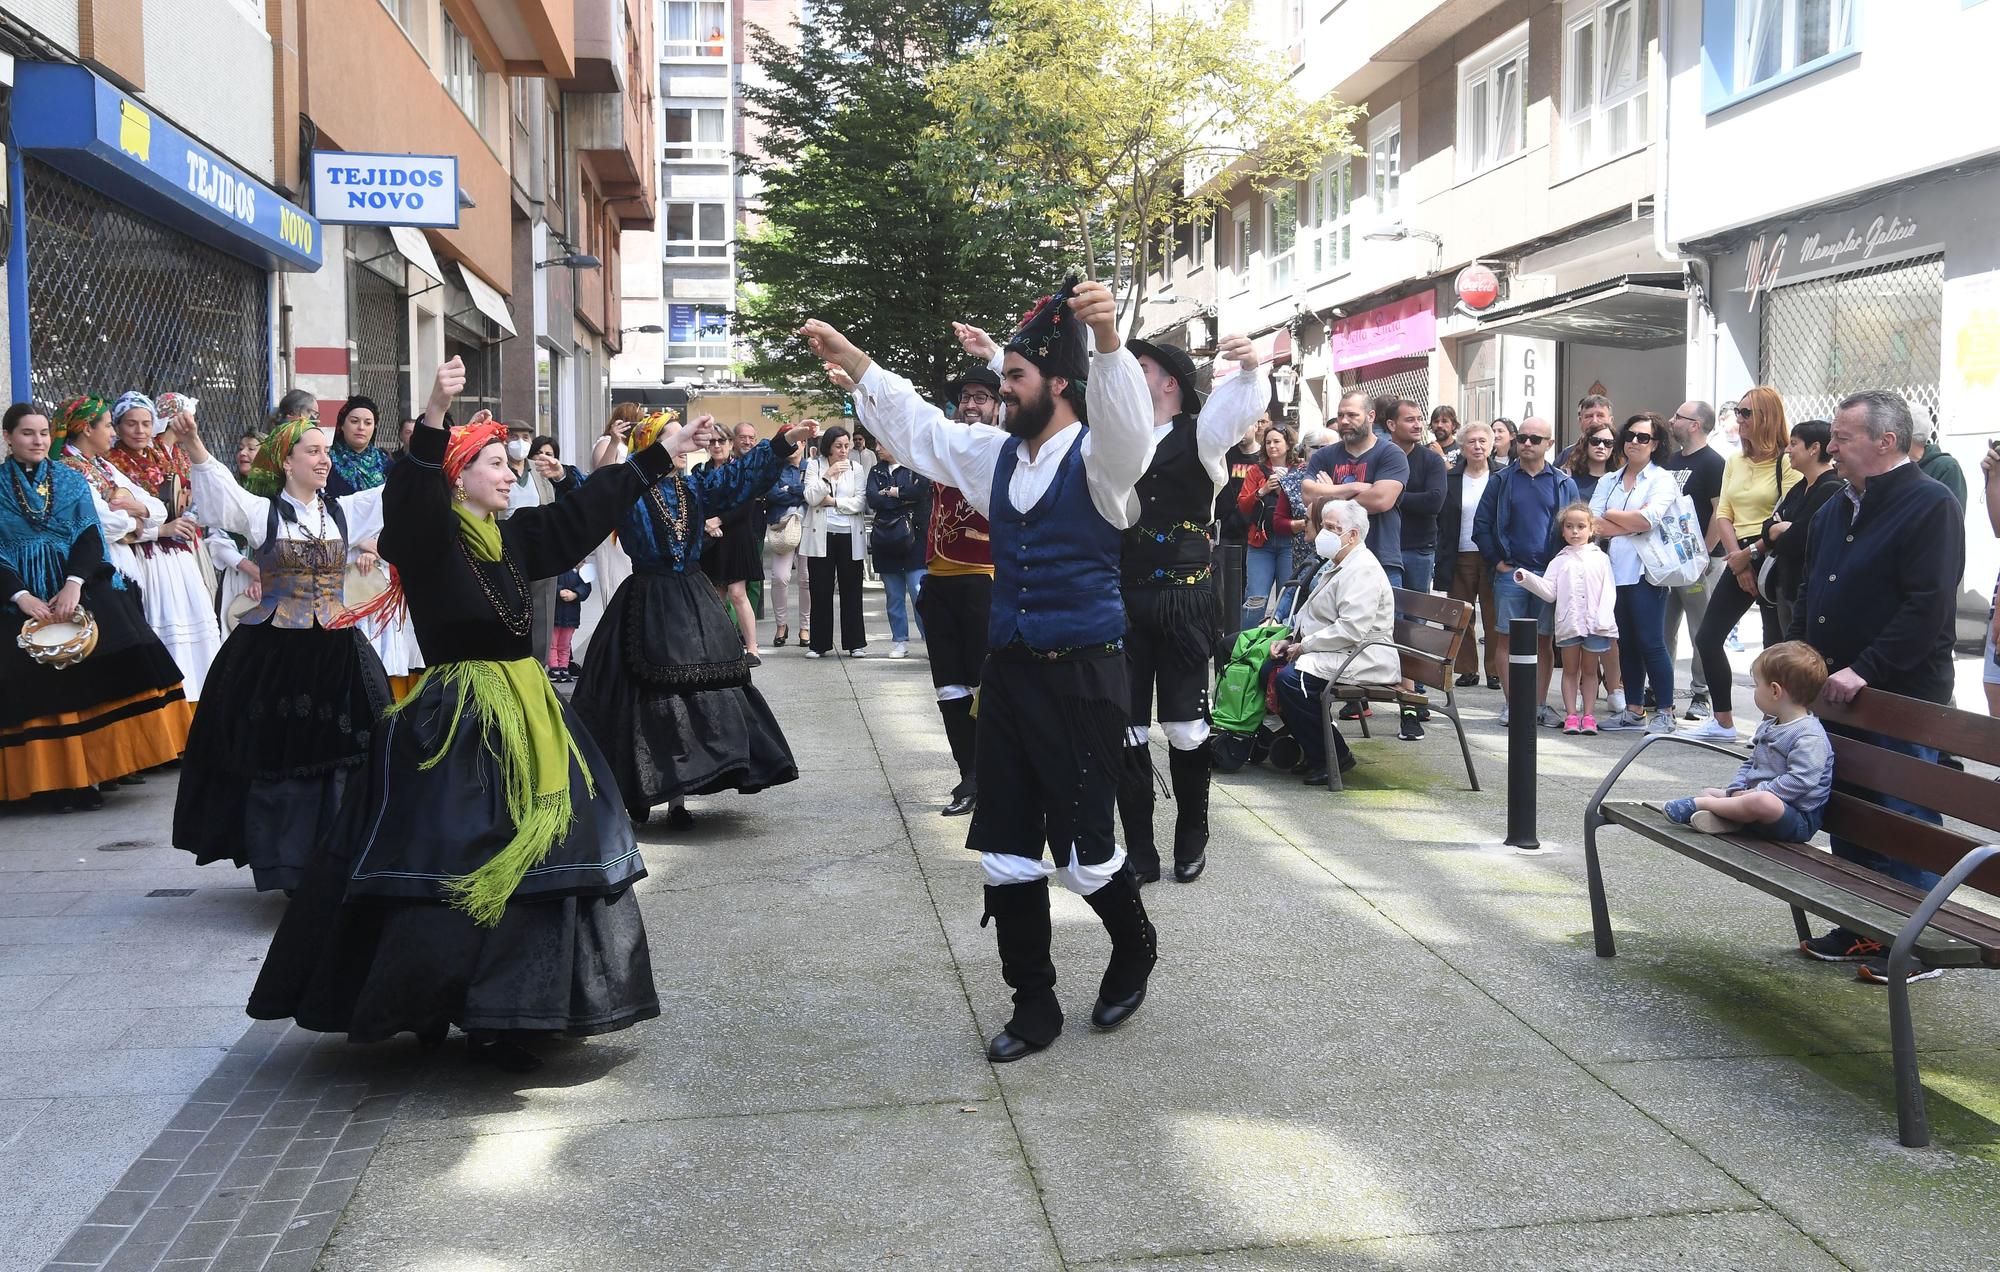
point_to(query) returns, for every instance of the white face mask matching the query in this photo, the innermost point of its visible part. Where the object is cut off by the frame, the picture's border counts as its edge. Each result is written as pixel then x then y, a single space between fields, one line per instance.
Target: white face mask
pixel 517 451
pixel 1327 544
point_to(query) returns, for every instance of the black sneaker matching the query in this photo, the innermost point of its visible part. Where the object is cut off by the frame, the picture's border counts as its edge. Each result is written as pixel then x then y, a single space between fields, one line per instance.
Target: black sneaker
pixel 1493 682
pixel 1355 710
pixel 1876 971
pixel 1467 680
pixel 1412 725
pixel 1842 946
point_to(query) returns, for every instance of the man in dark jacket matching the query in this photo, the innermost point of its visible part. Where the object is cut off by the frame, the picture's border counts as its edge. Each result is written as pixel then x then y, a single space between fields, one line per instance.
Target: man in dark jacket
pixel 1883 564
pixel 901 502
pixel 1516 529
pixel 1419 504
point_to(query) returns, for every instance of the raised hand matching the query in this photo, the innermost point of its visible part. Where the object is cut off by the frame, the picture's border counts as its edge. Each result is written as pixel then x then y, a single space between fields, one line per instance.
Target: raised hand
pixel 841 380
pixel 828 345
pixel 548 466
pixel 685 439
pixel 447 385
pixel 804 431
pixel 1095 307
pixel 188 434
pixel 1239 350
pixel 975 341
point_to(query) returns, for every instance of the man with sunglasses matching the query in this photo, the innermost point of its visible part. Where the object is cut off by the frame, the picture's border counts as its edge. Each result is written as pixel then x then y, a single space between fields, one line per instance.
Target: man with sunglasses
pixel 1698 468
pixel 1516 529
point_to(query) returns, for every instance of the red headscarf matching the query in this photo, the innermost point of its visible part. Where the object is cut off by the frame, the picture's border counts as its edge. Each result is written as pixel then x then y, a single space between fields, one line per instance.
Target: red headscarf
pixel 466 441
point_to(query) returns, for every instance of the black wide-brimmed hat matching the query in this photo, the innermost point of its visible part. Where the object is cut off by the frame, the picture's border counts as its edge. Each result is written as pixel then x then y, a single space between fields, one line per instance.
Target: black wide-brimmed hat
pixel 1052 338
pixel 1176 362
pixel 980 375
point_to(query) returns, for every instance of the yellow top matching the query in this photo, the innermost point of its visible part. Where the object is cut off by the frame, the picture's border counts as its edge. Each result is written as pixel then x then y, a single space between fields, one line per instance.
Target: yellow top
pixel 1749 493
pixel 945 567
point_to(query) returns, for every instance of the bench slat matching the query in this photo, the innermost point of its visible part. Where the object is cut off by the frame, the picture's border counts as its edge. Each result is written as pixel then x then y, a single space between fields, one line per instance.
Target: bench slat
pixel 1962 795
pixel 1932 848
pixel 1824 884
pixel 1962 733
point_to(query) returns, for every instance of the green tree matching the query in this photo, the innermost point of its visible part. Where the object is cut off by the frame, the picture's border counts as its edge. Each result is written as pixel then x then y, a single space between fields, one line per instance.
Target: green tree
pixel 873 215
pixel 1124 113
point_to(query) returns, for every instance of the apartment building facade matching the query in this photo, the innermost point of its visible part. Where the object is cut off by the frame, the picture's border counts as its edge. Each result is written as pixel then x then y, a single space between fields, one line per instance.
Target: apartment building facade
pixel 1840 223
pixel 1493 246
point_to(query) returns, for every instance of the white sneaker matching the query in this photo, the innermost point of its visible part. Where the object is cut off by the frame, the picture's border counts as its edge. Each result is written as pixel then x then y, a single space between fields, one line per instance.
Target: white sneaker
pixel 1710 730
pixel 812 653
pixel 857 653
pixel 901 649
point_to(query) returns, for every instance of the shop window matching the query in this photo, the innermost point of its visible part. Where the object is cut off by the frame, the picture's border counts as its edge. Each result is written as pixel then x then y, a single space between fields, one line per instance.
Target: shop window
pixel 1281 233
pixel 1604 88
pixel 694 135
pixel 1330 218
pixel 1751 45
pixel 1493 103
pixel 1385 161
pixel 694 229
pixel 696 29
pixel 464 78
pixel 697 333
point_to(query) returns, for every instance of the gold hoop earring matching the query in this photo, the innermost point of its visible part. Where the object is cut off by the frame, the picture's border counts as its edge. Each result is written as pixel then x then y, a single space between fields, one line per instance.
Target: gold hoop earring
pixel 458 493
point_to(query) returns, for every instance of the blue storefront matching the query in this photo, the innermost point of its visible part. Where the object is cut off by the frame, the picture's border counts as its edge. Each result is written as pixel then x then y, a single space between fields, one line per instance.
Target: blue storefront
pixel 138 257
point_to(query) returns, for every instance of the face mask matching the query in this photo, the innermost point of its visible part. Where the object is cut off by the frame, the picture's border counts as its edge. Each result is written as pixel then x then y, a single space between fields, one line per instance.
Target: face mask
pixel 1327 544
pixel 517 451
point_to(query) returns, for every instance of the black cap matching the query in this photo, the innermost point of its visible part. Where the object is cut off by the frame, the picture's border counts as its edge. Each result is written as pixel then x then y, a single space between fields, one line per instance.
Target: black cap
pixel 981 375
pixel 1052 338
pixel 1176 362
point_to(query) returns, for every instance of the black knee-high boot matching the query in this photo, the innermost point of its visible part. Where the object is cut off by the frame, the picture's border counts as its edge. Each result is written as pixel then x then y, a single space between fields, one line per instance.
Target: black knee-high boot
pixel 1189 770
pixel 1020 914
pixel 1135 813
pixel 1134 950
pixel 962 732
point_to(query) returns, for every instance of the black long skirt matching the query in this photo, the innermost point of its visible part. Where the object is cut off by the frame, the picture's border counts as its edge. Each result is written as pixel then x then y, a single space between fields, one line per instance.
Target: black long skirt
pixel 286 716
pixel 666 689
pixel 370 947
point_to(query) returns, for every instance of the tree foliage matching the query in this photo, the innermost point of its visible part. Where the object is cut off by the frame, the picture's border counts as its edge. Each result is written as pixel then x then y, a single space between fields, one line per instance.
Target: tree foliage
pixel 1121 111
pixel 874 216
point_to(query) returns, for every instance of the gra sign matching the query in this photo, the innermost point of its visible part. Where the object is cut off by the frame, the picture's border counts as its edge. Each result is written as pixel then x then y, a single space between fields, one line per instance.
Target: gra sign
pixel 1764 260
pixel 1478 287
pixel 351 188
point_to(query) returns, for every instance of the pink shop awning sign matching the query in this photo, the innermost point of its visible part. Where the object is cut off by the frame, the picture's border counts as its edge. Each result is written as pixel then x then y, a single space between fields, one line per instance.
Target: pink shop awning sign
pixel 1400 329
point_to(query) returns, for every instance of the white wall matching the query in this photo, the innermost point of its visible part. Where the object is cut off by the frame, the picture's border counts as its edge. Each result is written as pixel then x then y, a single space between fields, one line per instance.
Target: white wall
pixel 1916 97
pixel 209 66
pixel 1636 379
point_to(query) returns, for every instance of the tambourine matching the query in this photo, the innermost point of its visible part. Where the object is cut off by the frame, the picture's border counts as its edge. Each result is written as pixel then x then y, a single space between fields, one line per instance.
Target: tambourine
pixel 363 586
pixel 59 644
pixel 233 613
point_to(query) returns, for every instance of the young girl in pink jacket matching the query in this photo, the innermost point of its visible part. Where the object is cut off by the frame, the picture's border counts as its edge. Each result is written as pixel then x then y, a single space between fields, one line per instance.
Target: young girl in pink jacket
pixel 1579 583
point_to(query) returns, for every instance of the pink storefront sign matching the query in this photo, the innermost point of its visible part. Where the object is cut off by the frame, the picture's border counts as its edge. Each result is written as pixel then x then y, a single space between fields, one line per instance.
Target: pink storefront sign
pixel 1400 329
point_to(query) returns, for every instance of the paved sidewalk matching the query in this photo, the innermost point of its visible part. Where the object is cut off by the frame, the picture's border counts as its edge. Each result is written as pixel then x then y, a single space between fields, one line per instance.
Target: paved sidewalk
pixel 1375 1040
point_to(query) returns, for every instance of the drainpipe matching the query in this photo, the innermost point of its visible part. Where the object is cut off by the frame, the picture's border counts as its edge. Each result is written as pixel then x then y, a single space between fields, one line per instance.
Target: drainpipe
pixel 1700 314
pixel 17 274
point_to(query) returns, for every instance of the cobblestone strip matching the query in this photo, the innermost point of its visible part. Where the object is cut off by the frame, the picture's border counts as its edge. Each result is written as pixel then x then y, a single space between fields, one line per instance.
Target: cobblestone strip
pixel 253 1172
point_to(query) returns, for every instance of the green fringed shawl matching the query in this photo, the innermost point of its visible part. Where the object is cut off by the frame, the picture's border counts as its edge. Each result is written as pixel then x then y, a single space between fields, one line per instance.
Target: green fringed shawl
pixel 521 722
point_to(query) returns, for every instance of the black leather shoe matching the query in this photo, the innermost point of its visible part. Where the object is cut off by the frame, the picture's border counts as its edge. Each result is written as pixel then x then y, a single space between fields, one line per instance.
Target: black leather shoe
pixel 961 805
pixel 1144 873
pixel 1188 872
pixel 1006 1048
pixel 1467 679
pixel 1108 1016
pixel 1317 777
pixel 679 818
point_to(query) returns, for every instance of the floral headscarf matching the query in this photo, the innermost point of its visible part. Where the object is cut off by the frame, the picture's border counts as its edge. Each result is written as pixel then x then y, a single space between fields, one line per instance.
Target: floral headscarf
pixel 133 400
pixel 650 428
pixel 168 409
pixel 73 417
pixel 267 472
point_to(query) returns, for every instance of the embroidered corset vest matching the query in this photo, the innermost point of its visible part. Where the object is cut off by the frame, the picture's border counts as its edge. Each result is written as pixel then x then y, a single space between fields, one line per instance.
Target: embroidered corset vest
pixel 303 579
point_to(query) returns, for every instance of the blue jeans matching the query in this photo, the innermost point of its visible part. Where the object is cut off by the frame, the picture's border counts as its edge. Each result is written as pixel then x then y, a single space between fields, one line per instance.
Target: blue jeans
pixel 902 587
pixel 1512 601
pixel 1642 644
pixel 1847 850
pixel 1298 706
pixel 1394 569
pixel 1793 827
pixel 1419 570
pixel 1263 569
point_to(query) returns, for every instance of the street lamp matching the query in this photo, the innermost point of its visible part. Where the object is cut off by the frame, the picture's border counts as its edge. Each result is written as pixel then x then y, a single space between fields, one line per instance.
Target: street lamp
pixel 647 329
pixel 575 260
pixel 1286 381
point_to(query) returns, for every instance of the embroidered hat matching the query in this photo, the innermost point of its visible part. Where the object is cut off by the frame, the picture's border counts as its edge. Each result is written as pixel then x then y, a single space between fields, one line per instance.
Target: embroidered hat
pixel 1052 338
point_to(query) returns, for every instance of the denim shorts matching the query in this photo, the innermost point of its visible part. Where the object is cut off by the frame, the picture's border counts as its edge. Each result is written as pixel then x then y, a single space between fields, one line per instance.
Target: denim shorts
pixel 1591 644
pixel 1512 601
pixel 1794 827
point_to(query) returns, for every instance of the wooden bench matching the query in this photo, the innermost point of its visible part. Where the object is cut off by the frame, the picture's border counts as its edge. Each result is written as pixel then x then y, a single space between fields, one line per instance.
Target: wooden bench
pixel 1429 630
pixel 1913 923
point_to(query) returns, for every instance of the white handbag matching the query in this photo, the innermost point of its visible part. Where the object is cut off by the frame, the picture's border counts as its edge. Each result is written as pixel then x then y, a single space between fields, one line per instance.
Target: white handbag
pixel 1674 554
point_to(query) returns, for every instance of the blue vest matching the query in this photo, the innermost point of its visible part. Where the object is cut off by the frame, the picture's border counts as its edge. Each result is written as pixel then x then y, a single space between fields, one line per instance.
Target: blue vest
pixel 1055 566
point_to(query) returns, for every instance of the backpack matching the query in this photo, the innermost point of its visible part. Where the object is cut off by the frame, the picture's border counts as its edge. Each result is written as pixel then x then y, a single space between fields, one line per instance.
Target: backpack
pixel 1239 690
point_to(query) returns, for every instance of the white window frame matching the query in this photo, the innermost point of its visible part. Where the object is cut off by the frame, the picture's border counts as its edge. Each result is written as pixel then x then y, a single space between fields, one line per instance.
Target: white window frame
pixel 1481 107
pixel 698 46
pixel 1385 163
pixel 698 350
pixel 1240 245
pixel 1281 240
pixel 399 11
pixel 464 78
pixel 695 149
pixel 1328 217
pixel 1592 105
pixel 698 247
pixel 1204 241
pixel 1758 20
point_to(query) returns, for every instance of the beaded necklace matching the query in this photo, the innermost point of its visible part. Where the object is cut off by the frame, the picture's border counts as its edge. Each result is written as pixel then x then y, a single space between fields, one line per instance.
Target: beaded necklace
pixel 516 622
pixel 36 517
pixel 677 516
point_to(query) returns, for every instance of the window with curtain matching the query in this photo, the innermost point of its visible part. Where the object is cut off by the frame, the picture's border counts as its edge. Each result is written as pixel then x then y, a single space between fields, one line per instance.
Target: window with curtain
pixel 696 28
pixel 1493 104
pixel 1604 79
pixel 694 229
pixel 1776 37
pixel 694 135
pixel 1242 244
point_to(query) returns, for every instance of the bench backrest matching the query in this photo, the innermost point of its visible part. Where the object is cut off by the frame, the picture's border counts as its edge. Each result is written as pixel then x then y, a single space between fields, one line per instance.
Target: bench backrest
pixel 1436 625
pixel 1964 797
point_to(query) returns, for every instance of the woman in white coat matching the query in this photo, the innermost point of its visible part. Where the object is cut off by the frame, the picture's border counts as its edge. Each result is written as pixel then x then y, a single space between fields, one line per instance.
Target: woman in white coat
pixel 834 535
pixel 1345 631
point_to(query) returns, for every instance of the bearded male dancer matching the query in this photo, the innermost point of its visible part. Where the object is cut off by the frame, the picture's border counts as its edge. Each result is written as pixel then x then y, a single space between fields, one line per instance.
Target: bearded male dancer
pixel 1056 484
pixel 957 597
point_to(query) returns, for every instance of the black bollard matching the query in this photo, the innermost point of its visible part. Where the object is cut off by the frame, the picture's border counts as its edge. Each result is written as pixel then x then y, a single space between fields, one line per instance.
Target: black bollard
pixel 1522 710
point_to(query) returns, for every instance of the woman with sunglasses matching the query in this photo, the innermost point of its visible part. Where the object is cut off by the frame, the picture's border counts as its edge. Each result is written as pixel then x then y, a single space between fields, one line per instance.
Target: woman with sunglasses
pixel 1595 455
pixel 1753 484
pixel 1627 506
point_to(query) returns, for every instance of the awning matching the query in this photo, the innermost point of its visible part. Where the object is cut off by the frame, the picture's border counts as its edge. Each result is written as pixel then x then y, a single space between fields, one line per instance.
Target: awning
pixel 486 300
pixel 1637 311
pixel 414 248
pixel 1272 348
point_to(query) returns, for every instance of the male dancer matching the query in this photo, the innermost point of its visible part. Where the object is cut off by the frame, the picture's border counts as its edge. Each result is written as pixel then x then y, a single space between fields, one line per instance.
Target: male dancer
pixel 1057 486
pixel 957 597
pixel 1170 602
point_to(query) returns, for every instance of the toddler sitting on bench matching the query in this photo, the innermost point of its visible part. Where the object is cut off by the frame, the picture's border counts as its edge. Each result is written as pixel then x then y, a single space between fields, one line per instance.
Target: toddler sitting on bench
pixel 1780 792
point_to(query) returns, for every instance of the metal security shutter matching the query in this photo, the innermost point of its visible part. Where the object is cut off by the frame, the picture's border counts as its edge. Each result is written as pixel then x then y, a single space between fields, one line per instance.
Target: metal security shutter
pixel 117 301
pixel 1406 378
pixel 379 318
pixel 1879 328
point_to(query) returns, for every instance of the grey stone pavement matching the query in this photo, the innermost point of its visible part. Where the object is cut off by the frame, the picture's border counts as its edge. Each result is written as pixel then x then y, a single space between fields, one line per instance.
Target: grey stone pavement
pixel 1376 1039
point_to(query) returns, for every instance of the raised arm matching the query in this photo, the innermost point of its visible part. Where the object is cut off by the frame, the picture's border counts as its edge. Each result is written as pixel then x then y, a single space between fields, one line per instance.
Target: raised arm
pixel 748 476
pixel 1233 407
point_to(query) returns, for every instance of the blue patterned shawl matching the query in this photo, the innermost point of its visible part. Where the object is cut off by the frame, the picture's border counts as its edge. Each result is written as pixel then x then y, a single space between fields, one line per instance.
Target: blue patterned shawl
pixel 34 547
